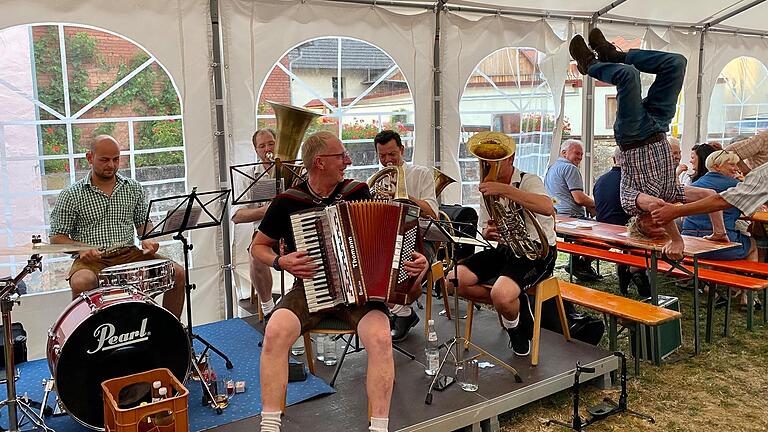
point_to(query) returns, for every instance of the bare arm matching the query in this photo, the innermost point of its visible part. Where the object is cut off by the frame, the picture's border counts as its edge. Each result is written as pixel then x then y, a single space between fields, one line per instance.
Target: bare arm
pixel 245 215
pixel 670 212
pixel 743 167
pixel 296 263
pixel 537 203
pixel 584 200
pixel 425 208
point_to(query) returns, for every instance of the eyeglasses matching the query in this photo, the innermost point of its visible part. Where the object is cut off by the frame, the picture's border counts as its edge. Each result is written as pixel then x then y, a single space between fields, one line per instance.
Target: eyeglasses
pixel 343 155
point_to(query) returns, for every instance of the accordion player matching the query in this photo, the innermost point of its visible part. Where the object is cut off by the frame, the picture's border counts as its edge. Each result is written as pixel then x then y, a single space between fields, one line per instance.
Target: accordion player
pixel 360 247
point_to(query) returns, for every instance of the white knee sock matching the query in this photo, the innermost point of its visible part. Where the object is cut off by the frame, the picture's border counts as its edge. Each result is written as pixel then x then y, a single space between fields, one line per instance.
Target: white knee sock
pixel 379 424
pixel 401 310
pixel 267 306
pixel 510 324
pixel 270 421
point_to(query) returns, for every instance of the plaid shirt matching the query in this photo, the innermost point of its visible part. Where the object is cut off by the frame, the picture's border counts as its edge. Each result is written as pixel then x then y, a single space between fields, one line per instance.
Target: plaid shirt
pixel 750 194
pixel 754 150
pixel 88 215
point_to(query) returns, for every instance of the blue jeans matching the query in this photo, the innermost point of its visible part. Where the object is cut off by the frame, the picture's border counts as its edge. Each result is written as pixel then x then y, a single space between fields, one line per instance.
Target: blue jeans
pixel 638 118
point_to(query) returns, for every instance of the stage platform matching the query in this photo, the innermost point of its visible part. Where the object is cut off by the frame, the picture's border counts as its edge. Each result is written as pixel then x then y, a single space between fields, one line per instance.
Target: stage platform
pixel 453 408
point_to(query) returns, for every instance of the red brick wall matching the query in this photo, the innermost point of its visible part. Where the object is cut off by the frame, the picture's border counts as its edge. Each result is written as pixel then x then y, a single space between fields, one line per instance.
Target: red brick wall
pixel 277 88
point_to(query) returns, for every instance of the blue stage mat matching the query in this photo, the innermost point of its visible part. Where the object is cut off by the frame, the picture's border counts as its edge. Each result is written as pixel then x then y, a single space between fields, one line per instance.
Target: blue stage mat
pixel 235 338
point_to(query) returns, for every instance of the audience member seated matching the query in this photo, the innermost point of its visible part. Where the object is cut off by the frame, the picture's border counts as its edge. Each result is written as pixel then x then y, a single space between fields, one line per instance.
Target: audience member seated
pixel 752 151
pixel 699 154
pixel 566 187
pixel 721 169
pixel 609 210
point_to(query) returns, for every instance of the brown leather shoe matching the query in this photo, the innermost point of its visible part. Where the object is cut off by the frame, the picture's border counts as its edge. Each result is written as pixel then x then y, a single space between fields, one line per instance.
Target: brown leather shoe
pixel 606 51
pixel 581 53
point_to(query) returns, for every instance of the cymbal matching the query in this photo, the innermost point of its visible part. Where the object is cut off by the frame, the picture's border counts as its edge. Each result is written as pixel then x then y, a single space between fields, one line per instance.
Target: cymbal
pixel 44 248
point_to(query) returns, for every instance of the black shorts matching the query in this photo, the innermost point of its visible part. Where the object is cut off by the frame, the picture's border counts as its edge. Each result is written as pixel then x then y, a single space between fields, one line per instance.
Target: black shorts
pixel 296 301
pixel 492 263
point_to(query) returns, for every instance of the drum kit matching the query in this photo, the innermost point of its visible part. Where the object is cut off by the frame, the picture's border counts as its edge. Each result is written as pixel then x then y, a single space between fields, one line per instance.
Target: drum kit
pixel 114 330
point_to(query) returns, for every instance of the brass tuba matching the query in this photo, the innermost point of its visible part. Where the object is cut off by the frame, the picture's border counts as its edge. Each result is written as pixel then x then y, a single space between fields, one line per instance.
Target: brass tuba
pixel 389 184
pixel 442 180
pixel 292 123
pixel 490 148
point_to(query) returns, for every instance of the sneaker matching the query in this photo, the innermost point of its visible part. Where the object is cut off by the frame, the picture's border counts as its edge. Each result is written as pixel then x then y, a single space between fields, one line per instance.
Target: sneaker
pixel 606 51
pixel 581 53
pixel 403 325
pixel 526 316
pixel 585 272
pixel 520 344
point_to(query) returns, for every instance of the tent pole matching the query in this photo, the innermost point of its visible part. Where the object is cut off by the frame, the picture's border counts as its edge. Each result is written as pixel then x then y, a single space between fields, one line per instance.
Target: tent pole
pixel 222 149
pixel 437 85
pixel 700 85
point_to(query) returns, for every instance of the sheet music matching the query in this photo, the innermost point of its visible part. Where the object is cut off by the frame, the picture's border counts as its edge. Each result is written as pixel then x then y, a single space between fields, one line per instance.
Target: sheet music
pixel 578 224
pixel 175 217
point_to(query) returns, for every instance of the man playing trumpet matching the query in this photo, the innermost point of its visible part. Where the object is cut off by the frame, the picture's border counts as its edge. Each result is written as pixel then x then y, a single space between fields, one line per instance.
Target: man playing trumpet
pixel 509 273
pixel 420 188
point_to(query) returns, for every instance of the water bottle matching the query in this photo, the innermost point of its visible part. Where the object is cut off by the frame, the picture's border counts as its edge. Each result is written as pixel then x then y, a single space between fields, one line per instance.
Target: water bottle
pixel 331 357
pixel 298 346
pixel 432 350
pixel 320 341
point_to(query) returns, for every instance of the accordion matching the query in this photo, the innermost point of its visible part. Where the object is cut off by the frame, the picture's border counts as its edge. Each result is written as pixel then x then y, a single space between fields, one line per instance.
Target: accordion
pixel 360 247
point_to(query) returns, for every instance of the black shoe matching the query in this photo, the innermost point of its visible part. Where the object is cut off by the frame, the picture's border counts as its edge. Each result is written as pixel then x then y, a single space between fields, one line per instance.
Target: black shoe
pixel 520 344
pixel 720 301
pixel 392 321
pixel 581 53
pixel 625 277
pixel 586 273
pixel 606 51
pixel 403 325
pixel 640 279
pixel 526 316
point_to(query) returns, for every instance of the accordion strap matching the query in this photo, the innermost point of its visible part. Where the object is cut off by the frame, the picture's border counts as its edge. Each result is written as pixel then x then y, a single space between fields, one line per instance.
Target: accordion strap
pixel 348 187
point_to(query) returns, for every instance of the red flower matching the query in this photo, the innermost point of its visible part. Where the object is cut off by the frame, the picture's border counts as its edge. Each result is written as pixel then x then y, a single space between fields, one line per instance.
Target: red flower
pixel 66 167
pixel 55 148
pixel 49 130
pixel 171 120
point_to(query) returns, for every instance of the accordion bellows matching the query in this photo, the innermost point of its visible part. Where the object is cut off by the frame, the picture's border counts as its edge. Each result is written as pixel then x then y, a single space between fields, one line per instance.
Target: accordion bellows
pixel 360 247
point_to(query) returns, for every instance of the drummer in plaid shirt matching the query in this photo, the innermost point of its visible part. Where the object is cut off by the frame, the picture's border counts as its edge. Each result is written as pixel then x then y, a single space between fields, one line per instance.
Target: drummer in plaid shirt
pixel 103 209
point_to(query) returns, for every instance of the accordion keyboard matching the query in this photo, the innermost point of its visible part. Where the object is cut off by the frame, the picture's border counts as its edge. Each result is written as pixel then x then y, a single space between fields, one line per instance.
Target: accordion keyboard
pixel 307 238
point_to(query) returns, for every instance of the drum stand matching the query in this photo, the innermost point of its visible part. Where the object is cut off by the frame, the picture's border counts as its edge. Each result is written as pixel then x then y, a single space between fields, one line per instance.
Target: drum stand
pixel 9 296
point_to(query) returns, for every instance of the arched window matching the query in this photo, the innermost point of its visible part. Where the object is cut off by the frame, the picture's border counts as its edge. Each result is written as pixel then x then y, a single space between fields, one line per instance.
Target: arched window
pixel 358 88
pixel 739 101
pixel 60 86
pixel 508 93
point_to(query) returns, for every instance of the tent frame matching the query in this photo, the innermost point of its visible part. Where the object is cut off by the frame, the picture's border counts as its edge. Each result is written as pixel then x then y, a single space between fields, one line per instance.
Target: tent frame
pixel 439 7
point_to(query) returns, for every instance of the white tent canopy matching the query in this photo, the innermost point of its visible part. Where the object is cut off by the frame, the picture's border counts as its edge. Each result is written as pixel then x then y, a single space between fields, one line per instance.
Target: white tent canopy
pixel 258 33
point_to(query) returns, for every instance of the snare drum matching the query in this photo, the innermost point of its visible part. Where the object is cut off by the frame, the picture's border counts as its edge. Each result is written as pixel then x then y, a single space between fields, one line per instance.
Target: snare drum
pixel 152 277
pixel 108 333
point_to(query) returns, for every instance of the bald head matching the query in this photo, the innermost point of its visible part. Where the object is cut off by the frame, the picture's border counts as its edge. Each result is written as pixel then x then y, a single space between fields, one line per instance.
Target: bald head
pixel 674 147
pixel 103 143
pixel 104 157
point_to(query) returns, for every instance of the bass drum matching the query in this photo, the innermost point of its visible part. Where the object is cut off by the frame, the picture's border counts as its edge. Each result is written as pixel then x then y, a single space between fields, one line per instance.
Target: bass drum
pixel 108 333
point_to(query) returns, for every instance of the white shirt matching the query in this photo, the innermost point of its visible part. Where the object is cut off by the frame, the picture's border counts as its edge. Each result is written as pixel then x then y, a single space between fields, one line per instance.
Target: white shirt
pixel 420 184
pixel 530 183
pixel 245 182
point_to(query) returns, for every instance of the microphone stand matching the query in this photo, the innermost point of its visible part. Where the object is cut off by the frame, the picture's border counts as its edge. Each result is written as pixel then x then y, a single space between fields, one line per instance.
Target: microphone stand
pixel 458 339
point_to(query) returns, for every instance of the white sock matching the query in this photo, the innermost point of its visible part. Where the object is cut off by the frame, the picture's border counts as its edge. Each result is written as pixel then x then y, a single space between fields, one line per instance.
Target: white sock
pixel 379 424
pixel 270 421
pixel 267 306
pixel 510 324
pixel 401 310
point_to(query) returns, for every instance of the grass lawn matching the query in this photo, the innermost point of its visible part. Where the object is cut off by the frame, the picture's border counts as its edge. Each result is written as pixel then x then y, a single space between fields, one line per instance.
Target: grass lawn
pixel 725 388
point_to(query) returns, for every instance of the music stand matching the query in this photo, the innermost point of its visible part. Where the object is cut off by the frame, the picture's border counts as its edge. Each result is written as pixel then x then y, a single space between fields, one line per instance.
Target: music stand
pixel 458 339
pixel 186 216
pixel 8 296
pixel 263 186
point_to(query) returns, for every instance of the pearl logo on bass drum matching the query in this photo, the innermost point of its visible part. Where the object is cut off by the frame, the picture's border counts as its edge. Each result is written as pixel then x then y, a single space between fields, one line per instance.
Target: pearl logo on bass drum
pixel 105 335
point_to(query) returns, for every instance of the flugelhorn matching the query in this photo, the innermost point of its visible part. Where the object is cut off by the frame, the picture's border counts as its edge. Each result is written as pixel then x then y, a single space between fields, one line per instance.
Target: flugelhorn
pixel 389 184
pixel 490 148
pixel 292 123
pixel 442 180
